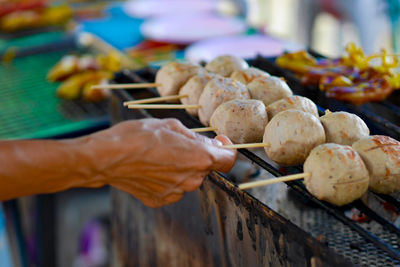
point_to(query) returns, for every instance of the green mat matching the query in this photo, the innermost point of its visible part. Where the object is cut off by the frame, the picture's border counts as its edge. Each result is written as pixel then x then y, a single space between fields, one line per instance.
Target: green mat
pixel 31 40
pixel 29 107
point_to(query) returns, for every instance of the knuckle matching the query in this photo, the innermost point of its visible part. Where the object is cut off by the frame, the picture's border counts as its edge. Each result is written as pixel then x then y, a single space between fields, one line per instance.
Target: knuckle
pixel 174 122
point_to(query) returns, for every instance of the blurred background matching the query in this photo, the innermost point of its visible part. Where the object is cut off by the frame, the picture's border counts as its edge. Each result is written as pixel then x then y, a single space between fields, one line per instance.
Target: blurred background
pixel 53 51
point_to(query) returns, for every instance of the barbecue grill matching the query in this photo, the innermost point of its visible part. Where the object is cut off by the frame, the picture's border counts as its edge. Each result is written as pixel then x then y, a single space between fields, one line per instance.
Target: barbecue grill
pixel 219 225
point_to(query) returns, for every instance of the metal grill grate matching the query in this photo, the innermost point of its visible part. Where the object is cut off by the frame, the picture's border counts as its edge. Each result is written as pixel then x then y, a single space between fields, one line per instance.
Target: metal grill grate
pixel 347 242
pixel 29 107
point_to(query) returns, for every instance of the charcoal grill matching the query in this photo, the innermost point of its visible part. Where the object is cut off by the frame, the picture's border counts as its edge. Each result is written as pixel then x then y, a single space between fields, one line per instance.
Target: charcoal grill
pixel 219 225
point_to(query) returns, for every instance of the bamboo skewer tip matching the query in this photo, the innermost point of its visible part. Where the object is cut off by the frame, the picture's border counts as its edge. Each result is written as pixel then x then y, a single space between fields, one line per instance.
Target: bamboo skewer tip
pixel 287 178
pixel 154 100
pixel 162 106
pixel 125 86
pixel 204 129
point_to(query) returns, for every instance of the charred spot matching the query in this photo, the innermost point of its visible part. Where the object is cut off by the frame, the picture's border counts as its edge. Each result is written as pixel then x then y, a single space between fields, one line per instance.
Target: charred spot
pixel 252 231
pixel 239 230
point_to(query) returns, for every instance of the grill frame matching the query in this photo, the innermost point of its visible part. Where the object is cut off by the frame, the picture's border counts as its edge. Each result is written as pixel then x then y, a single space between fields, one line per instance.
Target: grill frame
pixel 147 75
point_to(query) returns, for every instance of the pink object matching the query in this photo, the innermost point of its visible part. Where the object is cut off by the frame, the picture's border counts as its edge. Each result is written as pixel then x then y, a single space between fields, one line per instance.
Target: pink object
pixel 241 46
pixel 186 29
pixel 156 8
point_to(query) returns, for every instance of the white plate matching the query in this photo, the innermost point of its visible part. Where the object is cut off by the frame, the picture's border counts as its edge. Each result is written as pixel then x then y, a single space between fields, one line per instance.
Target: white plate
pixel 156 8
pixel 186 29
pixel 241 46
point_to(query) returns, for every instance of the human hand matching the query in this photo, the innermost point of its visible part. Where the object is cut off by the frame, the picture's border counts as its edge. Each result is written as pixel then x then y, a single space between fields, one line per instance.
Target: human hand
pixel 157 160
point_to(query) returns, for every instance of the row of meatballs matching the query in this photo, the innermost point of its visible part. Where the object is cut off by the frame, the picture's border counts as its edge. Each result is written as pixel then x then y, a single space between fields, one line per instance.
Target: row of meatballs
pixel 249 105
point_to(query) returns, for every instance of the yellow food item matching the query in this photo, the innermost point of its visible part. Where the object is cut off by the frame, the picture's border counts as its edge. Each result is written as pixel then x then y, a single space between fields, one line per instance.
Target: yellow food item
pixel 95 95
pixel 298 62
pixel 20 20
pixel 73 86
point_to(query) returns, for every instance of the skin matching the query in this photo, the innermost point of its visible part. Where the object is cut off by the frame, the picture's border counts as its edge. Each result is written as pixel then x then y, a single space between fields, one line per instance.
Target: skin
pixel 156 161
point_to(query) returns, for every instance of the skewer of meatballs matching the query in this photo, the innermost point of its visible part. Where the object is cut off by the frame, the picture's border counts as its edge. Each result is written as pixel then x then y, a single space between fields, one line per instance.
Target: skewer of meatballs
pixel 340 159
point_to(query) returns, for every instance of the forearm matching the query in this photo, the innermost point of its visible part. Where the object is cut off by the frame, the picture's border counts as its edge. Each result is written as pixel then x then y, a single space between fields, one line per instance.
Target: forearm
pixel 154 160
pixel 44 166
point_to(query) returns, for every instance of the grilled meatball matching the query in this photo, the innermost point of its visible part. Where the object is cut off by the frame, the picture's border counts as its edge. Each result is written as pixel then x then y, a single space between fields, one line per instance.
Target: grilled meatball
pixel 193 89
pixel 268 89
pixel 216 92
pixel 343 128
pixel 291 135
pixel 292 102
pixel 381 155
pixel 338 174
pixel 225 65
pixel 173 76
pixel 248 75
pixel 242 120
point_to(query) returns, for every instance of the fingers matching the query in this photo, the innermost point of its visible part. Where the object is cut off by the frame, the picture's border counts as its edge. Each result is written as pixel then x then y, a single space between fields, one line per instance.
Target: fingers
pixel 224 159
pixel 152 201
pixel 193 182
pixel 223 139
pixel 177 126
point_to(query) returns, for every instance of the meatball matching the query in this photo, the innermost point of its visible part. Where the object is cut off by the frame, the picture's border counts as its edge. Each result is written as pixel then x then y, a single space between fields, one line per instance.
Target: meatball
pixel 292 102
pixel 225 65
pixel 381 155
pixel 193 89
pixel 338 174
pixel 216 92
pixel 173 76
pixel 291 135
pixel 269 89
pixel 248 75
pixel 343 128
pixel 242 120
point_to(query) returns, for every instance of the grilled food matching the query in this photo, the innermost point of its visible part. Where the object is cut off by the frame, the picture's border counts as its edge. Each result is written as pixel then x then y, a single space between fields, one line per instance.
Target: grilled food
pixel 268 89
pixel 248 75
pixel 70 65
pixel 193 89
pixel 242 120
pixel 173 76
pixel 381 155
pixel 292 102
pixel 291 135
pixel 36 18
pixel 343 128
pixel 226 65
pixel 354 77
pixel 338 174
pixel 216 92
pixel 73 87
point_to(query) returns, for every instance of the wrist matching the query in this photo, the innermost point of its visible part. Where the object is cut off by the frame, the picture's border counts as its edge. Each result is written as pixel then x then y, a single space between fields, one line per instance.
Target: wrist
pixel 86 164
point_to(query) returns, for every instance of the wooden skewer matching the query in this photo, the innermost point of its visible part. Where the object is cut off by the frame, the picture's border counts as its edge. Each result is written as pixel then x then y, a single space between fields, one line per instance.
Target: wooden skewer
pixel 203 129
pixel 236 146
pixel 162 106
pixel 125 86
pixel 274 181
pixel 87 39
pixel 154 99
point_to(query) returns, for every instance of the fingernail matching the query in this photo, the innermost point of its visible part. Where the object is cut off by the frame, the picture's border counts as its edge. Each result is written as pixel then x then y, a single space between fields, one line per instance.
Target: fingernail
pixel 216 142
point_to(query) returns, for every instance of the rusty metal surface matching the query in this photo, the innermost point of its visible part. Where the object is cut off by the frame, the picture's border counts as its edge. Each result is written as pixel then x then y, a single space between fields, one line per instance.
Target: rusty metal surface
pixel 216 225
